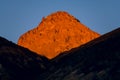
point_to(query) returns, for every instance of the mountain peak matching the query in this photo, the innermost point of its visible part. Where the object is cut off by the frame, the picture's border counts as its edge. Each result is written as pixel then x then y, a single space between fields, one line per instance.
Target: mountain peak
pixel 60 15
pixel 56 33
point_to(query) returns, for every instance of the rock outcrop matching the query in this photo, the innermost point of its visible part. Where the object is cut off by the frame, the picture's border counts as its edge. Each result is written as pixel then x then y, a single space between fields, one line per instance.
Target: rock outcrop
pixel 98 59
pixel 58 32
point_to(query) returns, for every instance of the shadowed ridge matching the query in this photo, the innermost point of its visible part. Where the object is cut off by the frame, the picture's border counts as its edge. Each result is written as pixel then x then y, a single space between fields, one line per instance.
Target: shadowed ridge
pixel 58 32
pixel 18 63
pixel 98 59
pixel 112 34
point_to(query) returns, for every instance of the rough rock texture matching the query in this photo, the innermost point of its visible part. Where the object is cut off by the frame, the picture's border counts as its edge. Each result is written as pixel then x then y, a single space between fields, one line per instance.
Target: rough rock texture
pixel 98 59
pixel 56 33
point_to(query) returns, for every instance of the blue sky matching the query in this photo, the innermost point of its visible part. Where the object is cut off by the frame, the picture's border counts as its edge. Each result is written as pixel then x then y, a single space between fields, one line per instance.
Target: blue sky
pixel 19 16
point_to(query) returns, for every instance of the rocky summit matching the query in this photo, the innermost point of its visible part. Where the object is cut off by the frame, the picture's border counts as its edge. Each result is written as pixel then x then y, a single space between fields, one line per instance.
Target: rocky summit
pixel 56 33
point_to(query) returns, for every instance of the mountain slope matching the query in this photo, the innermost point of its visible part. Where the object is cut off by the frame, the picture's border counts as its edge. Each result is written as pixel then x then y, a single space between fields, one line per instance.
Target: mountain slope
pixel 18 63
pixel 96 60
pixel 58 32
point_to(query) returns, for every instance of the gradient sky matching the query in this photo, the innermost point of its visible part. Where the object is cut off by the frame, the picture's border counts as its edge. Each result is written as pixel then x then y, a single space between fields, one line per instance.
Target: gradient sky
pixel 19 16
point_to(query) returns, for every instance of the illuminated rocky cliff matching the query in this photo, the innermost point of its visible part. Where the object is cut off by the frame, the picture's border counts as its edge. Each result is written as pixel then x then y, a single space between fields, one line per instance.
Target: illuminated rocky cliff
pixel 56 33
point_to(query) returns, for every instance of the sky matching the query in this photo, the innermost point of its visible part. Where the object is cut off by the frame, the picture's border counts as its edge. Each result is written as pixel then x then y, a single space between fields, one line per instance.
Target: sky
pixel 19 16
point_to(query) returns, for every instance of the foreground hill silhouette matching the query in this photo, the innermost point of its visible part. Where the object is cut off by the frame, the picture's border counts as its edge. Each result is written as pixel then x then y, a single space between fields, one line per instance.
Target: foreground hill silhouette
pixel 98 59
pixel 18 63
pixel 58 32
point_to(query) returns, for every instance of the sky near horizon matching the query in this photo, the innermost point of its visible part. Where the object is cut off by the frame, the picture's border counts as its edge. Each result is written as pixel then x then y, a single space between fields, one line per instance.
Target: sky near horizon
pixel 19 16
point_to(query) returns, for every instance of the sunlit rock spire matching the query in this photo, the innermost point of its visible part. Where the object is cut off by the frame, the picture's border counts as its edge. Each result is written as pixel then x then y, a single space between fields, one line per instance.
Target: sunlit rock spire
pixel 56 33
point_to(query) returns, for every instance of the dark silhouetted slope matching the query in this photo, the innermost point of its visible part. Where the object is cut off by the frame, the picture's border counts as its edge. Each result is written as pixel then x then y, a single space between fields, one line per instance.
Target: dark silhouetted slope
pixel 58 32
pixel 98 59
pixel 18 63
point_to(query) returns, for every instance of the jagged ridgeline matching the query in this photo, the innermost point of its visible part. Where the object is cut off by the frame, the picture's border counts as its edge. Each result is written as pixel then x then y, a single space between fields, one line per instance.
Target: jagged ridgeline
pixel 56 33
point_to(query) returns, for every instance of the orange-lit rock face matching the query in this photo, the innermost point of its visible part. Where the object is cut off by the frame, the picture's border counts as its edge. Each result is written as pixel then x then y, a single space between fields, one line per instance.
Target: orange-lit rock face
pixel 56 33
